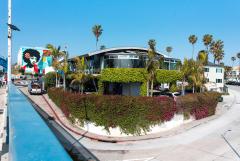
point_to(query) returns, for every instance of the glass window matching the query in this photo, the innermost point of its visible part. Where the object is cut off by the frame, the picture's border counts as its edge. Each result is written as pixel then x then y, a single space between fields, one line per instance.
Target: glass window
pixel 206 69
pixel 218 70
pixel 218 80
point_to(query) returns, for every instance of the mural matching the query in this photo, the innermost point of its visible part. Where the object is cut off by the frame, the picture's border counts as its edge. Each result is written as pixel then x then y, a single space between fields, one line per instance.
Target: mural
pixel 36 60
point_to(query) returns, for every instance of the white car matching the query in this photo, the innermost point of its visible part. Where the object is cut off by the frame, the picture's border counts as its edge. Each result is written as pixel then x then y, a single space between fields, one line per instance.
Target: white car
pixel 35 88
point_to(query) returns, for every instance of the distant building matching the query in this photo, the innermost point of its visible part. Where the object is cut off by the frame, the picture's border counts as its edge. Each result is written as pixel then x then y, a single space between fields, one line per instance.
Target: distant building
pixel 235 73
pixel 214 75
pixel 35 60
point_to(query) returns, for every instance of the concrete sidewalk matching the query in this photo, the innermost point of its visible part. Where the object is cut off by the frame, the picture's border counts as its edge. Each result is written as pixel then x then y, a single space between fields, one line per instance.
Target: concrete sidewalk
pixel 3 124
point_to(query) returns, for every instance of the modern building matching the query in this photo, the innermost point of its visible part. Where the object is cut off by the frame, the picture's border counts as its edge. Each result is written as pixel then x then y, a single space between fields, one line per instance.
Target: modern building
pixel 122 57
pixel 214 75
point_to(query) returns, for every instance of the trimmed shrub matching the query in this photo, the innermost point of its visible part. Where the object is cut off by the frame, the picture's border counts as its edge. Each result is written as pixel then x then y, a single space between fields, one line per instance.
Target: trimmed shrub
pixel 50 80
pixel 200 105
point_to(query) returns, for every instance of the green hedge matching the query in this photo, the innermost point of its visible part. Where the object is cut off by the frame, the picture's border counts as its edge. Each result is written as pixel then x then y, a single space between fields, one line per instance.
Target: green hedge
pixel 168 76
pixel 124 75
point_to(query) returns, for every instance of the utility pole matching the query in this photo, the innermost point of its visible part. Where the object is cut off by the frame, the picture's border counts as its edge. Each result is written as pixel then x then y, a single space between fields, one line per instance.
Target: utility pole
pixel 9 41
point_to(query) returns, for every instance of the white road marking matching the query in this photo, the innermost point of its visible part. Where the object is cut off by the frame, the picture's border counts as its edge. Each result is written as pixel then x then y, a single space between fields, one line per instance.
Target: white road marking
pixel 136 159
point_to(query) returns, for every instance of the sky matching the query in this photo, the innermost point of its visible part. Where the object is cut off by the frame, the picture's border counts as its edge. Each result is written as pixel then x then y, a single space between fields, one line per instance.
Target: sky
pixel 69 23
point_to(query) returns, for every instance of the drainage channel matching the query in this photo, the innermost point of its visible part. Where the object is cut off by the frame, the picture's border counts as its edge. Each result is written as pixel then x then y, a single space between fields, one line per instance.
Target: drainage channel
pixel 75 149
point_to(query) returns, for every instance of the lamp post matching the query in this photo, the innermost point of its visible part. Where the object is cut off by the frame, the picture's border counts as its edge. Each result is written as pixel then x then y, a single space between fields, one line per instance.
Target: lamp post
pixel 10 28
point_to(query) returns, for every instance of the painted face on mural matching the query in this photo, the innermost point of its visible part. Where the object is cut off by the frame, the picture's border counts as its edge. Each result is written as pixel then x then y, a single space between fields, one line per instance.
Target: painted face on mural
pixel 31 57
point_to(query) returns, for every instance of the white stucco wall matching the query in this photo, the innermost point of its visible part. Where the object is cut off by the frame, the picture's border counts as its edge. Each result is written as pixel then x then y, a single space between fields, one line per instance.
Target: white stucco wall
pixel 212 75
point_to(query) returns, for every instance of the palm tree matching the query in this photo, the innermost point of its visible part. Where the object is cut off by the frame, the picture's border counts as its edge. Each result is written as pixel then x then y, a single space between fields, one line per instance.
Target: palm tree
pixel 207 40
pixel 216 49
pixel 184 68
pixel 238 56
pixel 57 54
pixel 97 31
pixel 233 59
pixel 202 57
pixel 102 47
pixel 152 64
pixel 192 39
pixel 169 50
pixel 79 75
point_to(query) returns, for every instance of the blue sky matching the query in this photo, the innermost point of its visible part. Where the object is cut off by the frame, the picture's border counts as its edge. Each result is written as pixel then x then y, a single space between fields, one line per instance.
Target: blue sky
pixel 125 23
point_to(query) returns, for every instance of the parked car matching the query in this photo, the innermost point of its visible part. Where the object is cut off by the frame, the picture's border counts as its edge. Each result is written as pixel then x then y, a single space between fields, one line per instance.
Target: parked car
pixel 173 95
pixel 35 87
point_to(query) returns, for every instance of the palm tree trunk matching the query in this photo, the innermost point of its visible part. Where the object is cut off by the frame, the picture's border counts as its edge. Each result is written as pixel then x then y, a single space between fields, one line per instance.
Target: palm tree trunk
pixel 56 81
pixel 64 82
pixel 192 51
pixel 95 85
pixel 183 88
pixel 96 44
pixel 148 88
pixel 82 88
pixel 151 87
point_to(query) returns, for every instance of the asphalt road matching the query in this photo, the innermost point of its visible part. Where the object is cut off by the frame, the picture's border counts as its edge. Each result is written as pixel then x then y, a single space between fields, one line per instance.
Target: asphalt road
pixel 201 143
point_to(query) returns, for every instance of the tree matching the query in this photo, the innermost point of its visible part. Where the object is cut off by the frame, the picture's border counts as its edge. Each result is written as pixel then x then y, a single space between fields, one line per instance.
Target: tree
pixel 185 70
pixel 192 39
pixel 97 31
pixel 102 47
pixel 233 58
pixel 216 49
pixel 238 56
pixel 79 75
pixel 202 57
pixel 207 40
pixel 57 55
pixel 152 64
pixel 169 50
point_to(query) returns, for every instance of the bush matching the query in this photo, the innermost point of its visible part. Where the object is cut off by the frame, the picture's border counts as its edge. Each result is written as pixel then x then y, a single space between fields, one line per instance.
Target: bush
pixel 50 80
pixel 133 115
pixel 200 105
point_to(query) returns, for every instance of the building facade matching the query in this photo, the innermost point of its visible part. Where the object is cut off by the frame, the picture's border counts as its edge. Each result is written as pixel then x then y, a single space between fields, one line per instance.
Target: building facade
pixel 214 76
pixel 235 74
pixel 123 57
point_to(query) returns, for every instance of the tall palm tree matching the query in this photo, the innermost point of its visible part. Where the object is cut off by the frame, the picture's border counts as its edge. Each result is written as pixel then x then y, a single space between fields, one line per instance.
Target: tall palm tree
pixel 57 54
pixel 238 56
pixel 152 65
pixel 216 49
pixel 192 39
pixel 97 31
pixel 102 47
pixel 169 50
pixel 233 59
pixel 207 40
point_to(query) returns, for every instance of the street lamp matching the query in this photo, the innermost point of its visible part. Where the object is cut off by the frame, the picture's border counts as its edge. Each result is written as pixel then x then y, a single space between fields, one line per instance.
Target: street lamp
pixel 10 28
